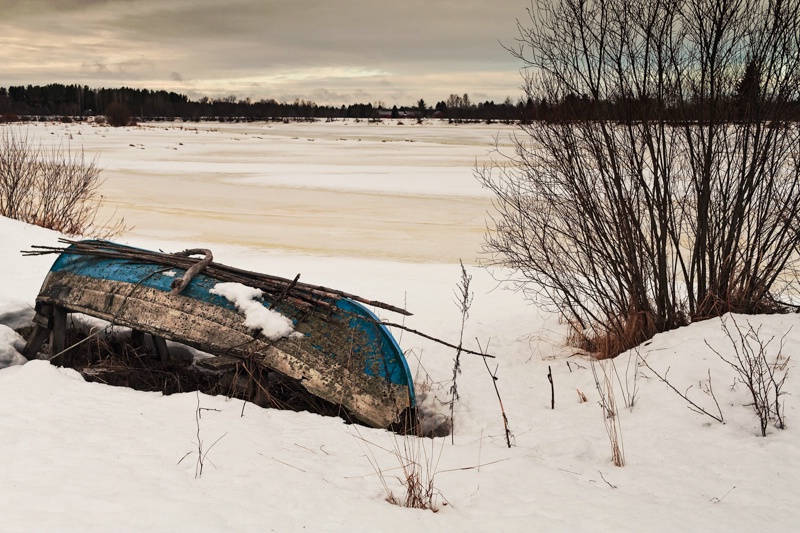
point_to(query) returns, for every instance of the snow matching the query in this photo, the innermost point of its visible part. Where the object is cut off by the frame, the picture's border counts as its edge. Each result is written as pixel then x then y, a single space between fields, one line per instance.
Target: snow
pixel 78 456
pixel 258 318
pixel 11 344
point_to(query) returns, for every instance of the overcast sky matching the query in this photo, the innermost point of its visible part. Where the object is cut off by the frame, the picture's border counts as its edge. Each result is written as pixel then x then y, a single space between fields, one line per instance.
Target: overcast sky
pixel 329 51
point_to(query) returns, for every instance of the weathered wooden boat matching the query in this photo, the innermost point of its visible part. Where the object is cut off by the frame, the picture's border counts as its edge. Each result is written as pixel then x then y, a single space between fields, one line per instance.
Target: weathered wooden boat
pixel 340 351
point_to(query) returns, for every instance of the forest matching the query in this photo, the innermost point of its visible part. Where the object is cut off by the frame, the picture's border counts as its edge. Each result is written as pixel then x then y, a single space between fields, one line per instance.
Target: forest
pixel 57 100
pixel 74 101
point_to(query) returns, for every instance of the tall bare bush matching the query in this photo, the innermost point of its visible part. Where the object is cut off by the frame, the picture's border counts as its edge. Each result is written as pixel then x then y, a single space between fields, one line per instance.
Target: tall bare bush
pixel 663 181
pixel 118 114
pixel 51 187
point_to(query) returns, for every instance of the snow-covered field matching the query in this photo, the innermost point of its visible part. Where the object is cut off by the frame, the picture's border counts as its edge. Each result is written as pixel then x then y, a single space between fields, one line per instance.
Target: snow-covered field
pixel 77 456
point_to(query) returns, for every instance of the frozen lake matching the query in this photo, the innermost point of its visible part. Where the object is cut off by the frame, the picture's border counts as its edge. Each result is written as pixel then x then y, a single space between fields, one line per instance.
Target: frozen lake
pixel 391 190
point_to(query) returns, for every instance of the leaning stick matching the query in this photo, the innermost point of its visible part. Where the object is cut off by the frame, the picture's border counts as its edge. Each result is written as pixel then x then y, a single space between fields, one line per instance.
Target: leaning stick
pixel 434 339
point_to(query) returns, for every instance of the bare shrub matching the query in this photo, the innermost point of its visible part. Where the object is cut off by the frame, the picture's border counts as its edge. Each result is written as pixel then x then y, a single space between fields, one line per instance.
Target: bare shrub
pixel 763 379
pixel 50 187
pixel 662 180
pixel 118 114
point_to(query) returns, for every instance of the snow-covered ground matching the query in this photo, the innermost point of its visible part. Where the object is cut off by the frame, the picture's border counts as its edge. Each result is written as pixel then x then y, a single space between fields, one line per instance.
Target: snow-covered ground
pixel 77 456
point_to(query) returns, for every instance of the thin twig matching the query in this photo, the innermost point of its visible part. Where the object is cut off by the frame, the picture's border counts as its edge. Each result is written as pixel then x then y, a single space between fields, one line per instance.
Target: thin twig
pixel 497 391
pixel 697 408
pixel 604 479
pixel 718 500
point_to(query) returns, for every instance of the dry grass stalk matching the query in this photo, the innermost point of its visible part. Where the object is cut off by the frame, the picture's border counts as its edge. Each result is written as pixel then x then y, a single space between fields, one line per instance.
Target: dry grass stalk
pixel 202 453
pixel 463 301
pixel 629 385
pixel 605 388
pixel 622 333
pixel 418 465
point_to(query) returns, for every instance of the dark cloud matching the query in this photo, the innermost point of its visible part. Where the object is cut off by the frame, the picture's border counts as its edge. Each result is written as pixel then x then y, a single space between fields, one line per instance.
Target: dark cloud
pixel 29 7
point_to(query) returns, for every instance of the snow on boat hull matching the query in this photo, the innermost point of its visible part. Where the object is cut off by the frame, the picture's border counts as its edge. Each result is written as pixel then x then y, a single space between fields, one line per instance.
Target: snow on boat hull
pixel 343 356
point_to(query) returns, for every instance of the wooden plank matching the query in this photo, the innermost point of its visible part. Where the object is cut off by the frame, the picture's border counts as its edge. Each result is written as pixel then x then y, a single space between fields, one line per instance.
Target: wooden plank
pixel 137 338
pixel 44 316
pixel 219 362
pixel 35 342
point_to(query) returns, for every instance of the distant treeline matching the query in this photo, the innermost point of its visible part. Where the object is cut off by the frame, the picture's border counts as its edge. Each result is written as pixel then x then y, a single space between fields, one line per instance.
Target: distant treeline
pixel 56 100
pixel 76 100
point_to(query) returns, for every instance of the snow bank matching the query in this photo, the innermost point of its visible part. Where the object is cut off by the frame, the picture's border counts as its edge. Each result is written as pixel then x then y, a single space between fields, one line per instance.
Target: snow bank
pixel 11 344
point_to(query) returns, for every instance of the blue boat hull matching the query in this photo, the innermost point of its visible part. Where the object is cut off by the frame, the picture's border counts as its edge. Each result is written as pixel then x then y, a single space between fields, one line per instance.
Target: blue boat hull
pixel 344 356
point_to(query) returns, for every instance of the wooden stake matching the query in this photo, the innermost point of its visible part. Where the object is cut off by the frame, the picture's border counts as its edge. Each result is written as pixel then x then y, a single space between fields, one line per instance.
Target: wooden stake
pixel 58 335
pixel 161 347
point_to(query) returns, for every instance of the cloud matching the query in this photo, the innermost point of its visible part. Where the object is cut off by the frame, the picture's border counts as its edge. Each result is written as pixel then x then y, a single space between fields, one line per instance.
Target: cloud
pixel 315 47
pixel 96 67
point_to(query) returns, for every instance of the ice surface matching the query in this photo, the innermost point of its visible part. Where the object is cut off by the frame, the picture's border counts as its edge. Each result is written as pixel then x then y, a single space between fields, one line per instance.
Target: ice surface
pixel 381 191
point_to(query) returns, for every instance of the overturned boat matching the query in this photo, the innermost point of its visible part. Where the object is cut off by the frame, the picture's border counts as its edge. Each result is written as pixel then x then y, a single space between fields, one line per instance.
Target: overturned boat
pixel 332 345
